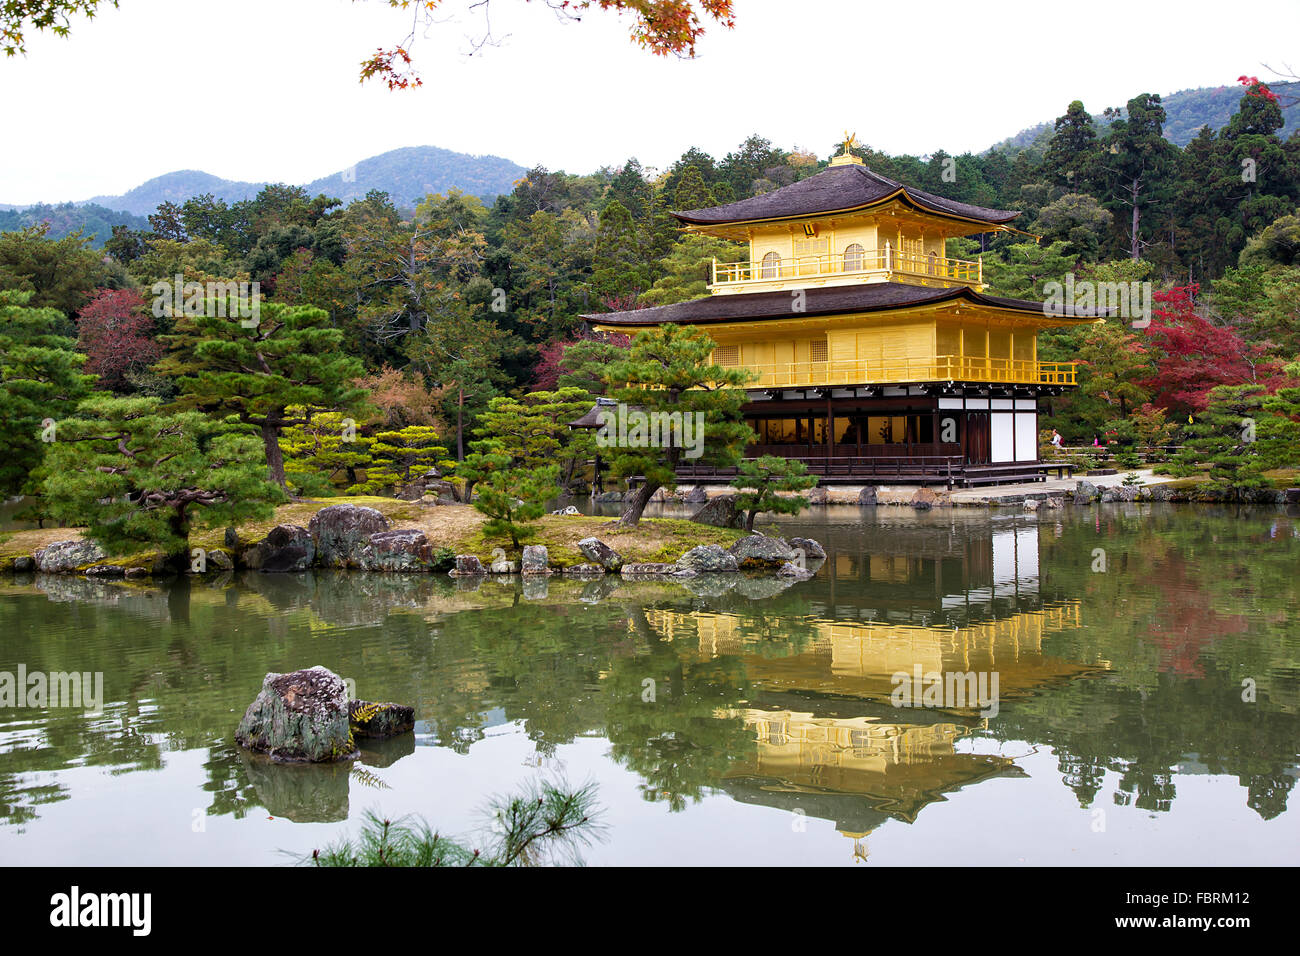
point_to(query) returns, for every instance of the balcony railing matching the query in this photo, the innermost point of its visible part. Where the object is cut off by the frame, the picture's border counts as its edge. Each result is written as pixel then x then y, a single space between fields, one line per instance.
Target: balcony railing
pixel 942 368
pixel 867 263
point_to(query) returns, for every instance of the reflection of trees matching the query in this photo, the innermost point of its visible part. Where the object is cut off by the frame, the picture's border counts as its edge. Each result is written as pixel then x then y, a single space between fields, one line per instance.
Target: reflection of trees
pixel 232 793
pixel 1201 599
pixel 680 741
pixel 19 798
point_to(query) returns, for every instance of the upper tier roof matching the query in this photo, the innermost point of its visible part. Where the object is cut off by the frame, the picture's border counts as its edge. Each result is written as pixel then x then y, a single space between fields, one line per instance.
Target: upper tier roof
pixel 839 188
pixel 832 300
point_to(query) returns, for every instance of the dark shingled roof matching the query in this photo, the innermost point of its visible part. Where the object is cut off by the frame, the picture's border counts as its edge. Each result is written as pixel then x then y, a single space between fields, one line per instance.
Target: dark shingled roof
pixel 829 300
pixel 837 188
pixel 592 418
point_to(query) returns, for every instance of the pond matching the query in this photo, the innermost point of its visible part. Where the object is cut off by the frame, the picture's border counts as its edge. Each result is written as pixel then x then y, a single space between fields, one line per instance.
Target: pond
pixel 1147 711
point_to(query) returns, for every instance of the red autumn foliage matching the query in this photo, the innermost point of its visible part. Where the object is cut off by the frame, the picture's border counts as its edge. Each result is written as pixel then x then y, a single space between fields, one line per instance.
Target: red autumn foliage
pixel 1194 355
pixel 550 365
pixel 1257 89
pixel 661 26
pixel 1189 623
pixel 548 369
pixel 116 333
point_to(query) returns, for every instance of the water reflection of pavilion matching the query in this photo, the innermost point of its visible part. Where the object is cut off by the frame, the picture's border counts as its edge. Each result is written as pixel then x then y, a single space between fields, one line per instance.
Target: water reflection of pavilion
pixel 827 739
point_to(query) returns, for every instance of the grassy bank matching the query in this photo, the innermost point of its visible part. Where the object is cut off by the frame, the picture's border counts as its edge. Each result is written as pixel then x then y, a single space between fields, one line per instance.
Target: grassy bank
pixel 458 528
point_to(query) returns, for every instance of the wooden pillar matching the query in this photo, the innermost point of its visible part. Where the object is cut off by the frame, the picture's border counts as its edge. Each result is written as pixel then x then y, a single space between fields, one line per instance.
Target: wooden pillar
pixel 830 428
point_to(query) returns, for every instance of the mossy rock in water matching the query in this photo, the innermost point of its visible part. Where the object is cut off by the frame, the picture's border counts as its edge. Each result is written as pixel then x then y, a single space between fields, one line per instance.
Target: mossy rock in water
pixel 370 719
pixel 302 715
pixel 64 556
pixel 759 552
pixel 708 557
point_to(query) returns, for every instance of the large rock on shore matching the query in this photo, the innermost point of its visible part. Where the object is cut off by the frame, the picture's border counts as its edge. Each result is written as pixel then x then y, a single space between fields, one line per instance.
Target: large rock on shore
pixel 708 557
pixel 536 559
pixel 868 496
pixel 63 556
pixel 287 547
pixel 762 551
pixel 1085 493
pixel 593 549
pixel 372 720
pixel 924 499
pixel 406 549
pixel 720 512
pixel 341 531
pixel 302 715
pixel 468 566
pixel 1119 493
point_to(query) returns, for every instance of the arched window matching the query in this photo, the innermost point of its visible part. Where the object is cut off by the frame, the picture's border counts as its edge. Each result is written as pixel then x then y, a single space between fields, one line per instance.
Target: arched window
pixel 933 265
pixel 855 258
pixel 771 266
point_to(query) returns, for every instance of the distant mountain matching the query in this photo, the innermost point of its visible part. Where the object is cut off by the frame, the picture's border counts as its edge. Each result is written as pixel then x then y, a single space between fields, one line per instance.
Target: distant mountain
pixel 407 175
pixel 177 187
pixel 1186 112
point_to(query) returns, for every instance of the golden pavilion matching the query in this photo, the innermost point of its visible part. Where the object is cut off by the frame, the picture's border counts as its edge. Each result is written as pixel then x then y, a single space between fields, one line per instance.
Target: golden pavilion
pixel 877 356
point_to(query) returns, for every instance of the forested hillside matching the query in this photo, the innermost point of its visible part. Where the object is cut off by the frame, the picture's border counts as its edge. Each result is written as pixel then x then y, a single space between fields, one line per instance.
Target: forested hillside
pixel 1185 113
pixel 458 301
pixel 93 221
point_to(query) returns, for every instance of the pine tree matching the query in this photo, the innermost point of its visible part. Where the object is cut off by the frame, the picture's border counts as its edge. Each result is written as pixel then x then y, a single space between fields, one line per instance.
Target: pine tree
pixel 316 453
pixel 669 372
pixel 398 457
pixel 1133 167
pixel 138 476
pixel 534 429
pixel 292 358
pixel 1225 437
pixel 1071 149
pixel 510 496
pixel 759 480
pixel 41 381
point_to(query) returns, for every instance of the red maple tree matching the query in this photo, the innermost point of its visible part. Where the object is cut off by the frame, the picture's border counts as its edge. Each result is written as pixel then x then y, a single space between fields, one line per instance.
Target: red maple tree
pixel 116 333
pixel 1194 355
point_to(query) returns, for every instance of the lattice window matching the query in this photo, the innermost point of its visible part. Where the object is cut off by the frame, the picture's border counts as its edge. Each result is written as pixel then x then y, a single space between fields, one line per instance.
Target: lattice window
pixel 817 351
pixel 726 355
pixel 771 267
pixel 812 247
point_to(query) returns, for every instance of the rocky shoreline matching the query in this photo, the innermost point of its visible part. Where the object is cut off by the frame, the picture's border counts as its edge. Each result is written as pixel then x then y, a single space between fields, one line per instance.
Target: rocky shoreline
pixel 358 538
pixel 355 537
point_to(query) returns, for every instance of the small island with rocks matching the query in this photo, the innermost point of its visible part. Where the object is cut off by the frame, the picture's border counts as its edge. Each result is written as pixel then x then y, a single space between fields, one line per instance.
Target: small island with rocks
pixel 392 535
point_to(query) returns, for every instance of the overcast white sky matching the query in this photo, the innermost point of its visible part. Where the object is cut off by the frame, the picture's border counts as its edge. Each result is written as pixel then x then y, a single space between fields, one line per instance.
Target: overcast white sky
pixel 268 89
